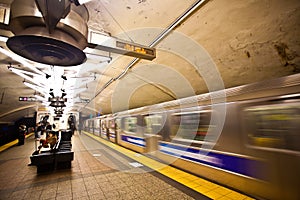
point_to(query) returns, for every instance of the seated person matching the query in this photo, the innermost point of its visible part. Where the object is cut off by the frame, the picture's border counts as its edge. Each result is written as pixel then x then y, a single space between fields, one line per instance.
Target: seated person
pixel 52 139
pixel 49 141
pixel 46 144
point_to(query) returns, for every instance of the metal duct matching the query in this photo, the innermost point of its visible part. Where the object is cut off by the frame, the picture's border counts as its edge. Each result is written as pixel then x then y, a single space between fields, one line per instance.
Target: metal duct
pixel 44 37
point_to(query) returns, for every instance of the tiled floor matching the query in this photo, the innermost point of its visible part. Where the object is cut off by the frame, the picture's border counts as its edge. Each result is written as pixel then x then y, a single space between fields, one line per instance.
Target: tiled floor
pixel 89 178
pixel 193 182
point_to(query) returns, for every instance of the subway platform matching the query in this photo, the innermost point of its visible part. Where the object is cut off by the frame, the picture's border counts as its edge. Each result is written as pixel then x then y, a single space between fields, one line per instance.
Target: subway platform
pixel 101 170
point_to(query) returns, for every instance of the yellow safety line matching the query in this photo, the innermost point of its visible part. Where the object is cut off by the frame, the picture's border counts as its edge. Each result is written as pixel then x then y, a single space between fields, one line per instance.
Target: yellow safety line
pixel 200 185
pixel 12 143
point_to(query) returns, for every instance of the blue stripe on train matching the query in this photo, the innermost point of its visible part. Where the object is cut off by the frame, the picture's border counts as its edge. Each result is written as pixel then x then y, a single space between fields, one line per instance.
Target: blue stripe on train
pixel 240 165
pixel 133 140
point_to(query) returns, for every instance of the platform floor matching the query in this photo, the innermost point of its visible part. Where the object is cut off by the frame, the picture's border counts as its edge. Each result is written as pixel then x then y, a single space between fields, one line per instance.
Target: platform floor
pixel 101 170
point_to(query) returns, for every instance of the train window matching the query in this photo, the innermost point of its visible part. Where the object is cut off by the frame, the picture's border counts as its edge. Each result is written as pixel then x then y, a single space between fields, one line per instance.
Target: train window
pixel 130 124
pixel 91 125
pixel 97 123
pixel 86 125
pixel 153 124
pixel 103 125
pixel 118 123
pixel 111 124
pixel 192 125
pixel 274 126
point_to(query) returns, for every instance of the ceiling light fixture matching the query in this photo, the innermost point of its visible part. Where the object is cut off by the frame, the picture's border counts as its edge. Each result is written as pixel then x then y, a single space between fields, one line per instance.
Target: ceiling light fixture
pixel 35 87
pixel 51 32
pixel 40 97
pixel 20 60
pixel 79 2
pixel 21 73
pixel 79 81
pixel 3 39
pixel 77 90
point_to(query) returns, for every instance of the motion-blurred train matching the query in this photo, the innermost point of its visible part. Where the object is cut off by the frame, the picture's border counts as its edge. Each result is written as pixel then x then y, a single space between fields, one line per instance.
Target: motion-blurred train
pixel 250 143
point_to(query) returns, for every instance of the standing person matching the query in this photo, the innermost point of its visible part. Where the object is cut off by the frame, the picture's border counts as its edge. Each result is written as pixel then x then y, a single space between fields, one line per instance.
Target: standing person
pixel 71 123
pixel 37 131
pixel 79 127
pixel 22 133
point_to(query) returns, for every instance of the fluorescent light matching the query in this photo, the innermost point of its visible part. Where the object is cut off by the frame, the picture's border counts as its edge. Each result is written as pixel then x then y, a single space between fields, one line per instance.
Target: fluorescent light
pixel 35 87
pixel 45 103
pixel 98 38
pixel 20 60
pixel 83 1
pixel 40 98
pixel 3 39
pixel 23 73
pixel 79 2
pixel 78 81
pixel 77 90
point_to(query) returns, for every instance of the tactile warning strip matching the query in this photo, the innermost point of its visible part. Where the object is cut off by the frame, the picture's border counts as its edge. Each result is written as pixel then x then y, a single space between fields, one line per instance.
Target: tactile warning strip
pixel 12 143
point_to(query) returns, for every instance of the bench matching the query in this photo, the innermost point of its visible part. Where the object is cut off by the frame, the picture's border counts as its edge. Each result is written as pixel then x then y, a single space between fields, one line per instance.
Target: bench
pixel 59 157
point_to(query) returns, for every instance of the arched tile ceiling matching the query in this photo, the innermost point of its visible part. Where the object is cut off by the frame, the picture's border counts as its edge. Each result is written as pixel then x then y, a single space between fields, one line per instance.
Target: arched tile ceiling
pixel 221 44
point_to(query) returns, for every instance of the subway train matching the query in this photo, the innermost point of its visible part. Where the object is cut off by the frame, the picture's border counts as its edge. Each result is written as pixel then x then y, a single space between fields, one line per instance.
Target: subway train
pixel 249 143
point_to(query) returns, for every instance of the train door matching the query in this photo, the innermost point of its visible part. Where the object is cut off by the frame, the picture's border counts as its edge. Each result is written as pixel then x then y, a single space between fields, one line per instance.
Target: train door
pixel 111 129
pixel 117 129
pixel 131 133
pixel 97 126
pixel 86 125
pixel 91 126
pixel 103 127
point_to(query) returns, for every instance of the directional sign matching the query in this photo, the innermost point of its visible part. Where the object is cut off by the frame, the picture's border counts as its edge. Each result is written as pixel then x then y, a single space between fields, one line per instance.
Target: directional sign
pixel 119 46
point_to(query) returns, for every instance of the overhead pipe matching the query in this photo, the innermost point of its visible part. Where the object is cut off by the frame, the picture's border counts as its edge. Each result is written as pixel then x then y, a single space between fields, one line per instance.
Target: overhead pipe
pixel 159 38
pixel 181 18
pixel 36 88
pixel 164 33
